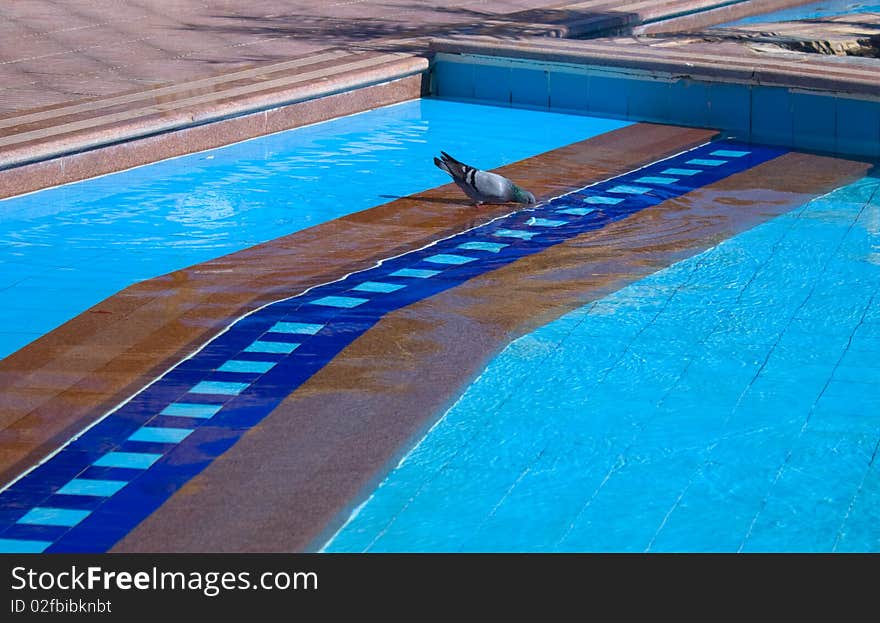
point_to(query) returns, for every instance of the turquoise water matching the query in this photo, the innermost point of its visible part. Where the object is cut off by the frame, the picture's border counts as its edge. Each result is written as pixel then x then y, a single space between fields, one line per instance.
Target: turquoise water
pixel 730 402
pixel 827 8
pixel 65 249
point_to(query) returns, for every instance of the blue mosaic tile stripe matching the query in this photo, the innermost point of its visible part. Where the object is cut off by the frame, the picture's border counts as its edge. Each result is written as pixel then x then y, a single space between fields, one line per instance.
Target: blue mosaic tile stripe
pixel 122 469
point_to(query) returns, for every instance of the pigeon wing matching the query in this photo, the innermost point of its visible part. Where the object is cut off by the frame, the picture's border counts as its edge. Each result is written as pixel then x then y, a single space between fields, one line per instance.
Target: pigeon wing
pixel 492 187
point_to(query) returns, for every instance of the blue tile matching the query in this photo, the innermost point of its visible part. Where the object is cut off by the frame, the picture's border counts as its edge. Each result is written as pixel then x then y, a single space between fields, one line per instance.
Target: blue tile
pixel 452 79
pixel 771 116
pixel 246 366
pixel 813 493
pixel 601 200
pixel 191 409
pixel 35 532
pixel 219 388
pixel 378 286
pixel 96 488
pixel 544 222
pixel 529 87
pixel 656 180
pixel 675 171
pixel 492 83
pixel 813 118
pixel 296 328
pixel 128 460
pixel 153 434
pixel 729 153
pixel 608 96
pixel 707 162
pixel 447 258
pixel 730 108
pixel 627 189
pixel 17 546
pixel 689 104
pixel 648 100
pixel 493 247
pixel 858 127
pixel 577 211
pixel 515 233
pixel 416 273
pixel 42 516
pixel 260 346
pixel 568 91
pixel 339 301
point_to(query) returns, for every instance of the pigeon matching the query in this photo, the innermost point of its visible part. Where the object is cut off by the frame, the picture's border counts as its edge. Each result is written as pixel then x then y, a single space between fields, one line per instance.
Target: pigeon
pixel 482 186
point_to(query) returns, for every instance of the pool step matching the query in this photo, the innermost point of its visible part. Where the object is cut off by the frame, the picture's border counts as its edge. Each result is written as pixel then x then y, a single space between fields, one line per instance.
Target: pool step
pixel 41 135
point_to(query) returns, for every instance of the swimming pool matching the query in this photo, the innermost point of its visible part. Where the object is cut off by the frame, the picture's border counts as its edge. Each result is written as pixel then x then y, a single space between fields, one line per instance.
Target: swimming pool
pixel 727 403
pixel 826 8
pixel 66 249
pixel 109 478
pixel 719 337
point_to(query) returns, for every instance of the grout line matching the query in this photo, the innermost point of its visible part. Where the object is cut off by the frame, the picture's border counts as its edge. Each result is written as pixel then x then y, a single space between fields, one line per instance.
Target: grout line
pixel 788 456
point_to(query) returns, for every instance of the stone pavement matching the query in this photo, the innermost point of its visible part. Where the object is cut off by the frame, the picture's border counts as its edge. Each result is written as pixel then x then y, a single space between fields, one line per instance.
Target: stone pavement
pixel 54 52
pixel 82 74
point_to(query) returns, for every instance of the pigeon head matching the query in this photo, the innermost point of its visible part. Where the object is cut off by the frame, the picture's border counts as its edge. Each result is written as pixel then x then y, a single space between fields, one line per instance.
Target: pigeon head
pixel 523 196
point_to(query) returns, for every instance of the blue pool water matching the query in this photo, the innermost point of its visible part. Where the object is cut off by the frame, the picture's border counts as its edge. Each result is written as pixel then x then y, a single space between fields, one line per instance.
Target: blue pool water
pixel 65 249
pixel 826 8
pixel 730 402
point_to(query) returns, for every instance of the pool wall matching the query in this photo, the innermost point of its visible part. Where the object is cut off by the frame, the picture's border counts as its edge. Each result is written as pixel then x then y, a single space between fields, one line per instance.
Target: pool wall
pixel 822 113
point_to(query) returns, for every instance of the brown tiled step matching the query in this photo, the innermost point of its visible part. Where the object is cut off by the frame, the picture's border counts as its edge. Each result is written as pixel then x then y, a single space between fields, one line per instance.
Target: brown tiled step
pixel 10 122
pixel 36 136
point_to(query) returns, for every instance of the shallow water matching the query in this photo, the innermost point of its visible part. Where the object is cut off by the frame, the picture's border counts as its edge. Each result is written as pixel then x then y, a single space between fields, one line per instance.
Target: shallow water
pixel 65 249
pixel 730 402
pixel 826 8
